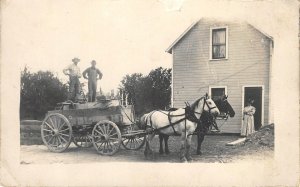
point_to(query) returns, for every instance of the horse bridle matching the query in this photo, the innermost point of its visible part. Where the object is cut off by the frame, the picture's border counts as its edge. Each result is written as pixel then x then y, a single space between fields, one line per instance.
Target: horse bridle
pixel 190 113
pixel 209 108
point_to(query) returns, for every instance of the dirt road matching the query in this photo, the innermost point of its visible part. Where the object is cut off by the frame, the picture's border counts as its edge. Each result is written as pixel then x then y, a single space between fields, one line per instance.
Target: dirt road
pixel 213 149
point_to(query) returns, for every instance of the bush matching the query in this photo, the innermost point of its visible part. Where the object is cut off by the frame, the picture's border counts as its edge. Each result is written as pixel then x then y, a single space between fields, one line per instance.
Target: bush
pixel 40 92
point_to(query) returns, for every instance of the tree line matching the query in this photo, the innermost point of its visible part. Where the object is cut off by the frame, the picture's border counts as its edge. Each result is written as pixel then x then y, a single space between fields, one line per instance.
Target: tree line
pixel 149 92
pixel 42 90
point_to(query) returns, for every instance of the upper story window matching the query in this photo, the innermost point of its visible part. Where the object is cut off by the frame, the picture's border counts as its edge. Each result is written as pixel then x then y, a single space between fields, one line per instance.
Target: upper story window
pixel 219 43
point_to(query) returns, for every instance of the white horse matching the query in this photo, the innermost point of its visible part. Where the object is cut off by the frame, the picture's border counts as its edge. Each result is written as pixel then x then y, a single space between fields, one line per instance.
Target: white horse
pixel 182 121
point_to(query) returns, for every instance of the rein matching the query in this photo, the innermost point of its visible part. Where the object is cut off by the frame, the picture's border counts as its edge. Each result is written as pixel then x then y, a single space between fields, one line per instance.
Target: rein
pixel 189 114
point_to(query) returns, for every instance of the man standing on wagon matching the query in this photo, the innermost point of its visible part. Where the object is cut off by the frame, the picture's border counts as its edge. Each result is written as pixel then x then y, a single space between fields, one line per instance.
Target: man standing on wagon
pixel 91 74
pixel 74 74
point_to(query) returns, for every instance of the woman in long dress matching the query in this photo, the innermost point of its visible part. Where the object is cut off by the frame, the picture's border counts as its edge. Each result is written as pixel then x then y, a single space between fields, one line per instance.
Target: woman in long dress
pixel 248 119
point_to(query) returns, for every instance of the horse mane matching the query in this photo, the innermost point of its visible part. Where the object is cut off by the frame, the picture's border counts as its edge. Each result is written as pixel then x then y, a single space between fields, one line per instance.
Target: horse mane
pixel 193 106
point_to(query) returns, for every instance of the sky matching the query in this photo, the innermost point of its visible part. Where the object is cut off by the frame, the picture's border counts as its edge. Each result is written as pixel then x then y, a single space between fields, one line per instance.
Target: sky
pixel 123 36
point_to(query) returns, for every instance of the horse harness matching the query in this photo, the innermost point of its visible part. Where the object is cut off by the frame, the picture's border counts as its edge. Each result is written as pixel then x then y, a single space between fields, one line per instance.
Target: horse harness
pixel 189 115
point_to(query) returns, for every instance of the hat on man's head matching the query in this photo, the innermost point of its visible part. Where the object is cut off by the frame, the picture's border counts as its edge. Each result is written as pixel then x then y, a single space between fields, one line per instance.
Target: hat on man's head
pixel 75 59
pixel 93 61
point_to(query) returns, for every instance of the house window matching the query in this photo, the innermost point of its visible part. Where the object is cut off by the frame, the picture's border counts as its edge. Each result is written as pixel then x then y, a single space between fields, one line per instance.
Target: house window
pixel 219 43
pixel 217 92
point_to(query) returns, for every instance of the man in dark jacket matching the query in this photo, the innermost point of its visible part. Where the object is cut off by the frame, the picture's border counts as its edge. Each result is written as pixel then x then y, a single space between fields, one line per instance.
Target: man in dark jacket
pixel 91 74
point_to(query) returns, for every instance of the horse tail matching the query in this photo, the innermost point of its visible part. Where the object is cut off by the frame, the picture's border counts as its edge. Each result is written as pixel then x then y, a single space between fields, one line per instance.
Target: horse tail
pixel 145 120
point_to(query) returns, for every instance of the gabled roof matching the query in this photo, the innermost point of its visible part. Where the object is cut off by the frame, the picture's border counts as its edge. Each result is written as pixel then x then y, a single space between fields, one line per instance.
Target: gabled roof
pixel 169 49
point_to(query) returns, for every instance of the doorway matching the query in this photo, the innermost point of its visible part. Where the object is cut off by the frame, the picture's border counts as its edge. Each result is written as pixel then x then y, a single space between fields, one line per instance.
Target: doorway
pixel 256 93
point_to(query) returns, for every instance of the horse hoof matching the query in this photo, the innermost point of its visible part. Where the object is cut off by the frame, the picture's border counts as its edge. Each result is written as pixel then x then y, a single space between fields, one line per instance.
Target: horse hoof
pixel 199 153
pixel 161 152
pixel 167 152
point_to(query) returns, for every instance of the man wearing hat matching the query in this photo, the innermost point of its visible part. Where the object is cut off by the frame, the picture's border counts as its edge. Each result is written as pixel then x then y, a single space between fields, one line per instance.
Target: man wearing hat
pixel 74 74
pixel 91 74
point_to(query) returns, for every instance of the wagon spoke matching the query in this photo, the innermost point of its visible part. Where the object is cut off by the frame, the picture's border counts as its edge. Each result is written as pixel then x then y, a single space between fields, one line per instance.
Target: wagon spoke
pixel 102 127
pixel 100 130
pixel 131 142
pixel 47 130
pixel 114 134
pixel 54 125
pixel 99 141
pixel 63 139
pixel 98 136
pixel 104 146
pixel 61 126
pixel 64 130
pixel 58 123
pixel 107 127
pixel 136 140
pixel 59 140
pixel 50 139
pixel 64 134
pixel 55 121
pixel 100 145
pixel 112 145
pixel 110 131
pixel 109 145
pixel 49 125
pixel 54 141
pixel 125 140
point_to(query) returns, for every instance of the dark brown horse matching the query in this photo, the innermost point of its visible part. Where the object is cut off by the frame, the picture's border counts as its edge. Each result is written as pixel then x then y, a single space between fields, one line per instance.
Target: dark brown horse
pixel 207 121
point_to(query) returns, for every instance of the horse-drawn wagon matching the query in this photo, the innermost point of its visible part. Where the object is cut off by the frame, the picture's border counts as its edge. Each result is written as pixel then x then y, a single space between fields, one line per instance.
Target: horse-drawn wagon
pixel 108 124
pixel 105 125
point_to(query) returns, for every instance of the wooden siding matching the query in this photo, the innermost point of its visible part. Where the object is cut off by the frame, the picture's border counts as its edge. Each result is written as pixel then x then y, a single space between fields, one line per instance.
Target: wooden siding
pixel 248 63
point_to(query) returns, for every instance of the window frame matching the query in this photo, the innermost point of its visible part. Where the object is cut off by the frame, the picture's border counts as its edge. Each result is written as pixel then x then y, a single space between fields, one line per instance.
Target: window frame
pixel 211 87
pixel 210 43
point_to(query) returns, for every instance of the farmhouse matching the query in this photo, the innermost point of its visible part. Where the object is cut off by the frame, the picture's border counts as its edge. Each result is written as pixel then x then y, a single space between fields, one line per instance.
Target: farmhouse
pixel 224 57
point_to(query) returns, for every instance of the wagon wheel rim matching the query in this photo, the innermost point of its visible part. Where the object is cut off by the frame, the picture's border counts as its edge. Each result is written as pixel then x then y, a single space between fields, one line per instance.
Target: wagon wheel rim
pixel 106 137
pixel 56 132
pixel 83 141
pixel 133 142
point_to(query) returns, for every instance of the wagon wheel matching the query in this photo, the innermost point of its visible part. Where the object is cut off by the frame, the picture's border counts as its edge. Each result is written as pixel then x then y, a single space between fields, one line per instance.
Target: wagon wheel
pixel 56 132
pixel 83 141
pixel 106 137
pixel 133 142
